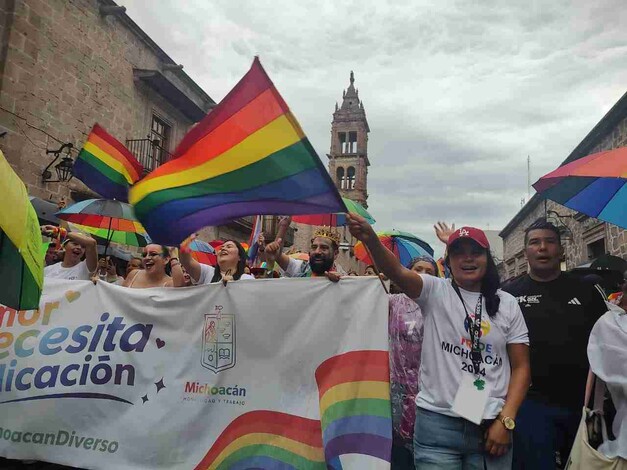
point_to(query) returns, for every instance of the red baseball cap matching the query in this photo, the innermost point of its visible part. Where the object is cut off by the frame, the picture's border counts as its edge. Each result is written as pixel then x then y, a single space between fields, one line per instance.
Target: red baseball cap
pixel 474 234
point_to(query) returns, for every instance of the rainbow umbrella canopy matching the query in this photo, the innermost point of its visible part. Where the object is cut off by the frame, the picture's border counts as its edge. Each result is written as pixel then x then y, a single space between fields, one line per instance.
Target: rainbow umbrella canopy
pixel 593 185
pixel 107 216
pixel 404 245
pixel 21 263
pixel 203 252
pixel 335 220
pixel 139 239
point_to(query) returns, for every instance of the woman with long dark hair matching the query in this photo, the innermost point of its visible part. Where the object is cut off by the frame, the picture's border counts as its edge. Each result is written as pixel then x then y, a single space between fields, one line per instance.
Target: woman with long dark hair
pixel 474 371
pixel 231 263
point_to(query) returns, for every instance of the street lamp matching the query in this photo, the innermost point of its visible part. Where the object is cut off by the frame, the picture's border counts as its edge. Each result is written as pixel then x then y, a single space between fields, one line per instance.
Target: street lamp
pixel 63 168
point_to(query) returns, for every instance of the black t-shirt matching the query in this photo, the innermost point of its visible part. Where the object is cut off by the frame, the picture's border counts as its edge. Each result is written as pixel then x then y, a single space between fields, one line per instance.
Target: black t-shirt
pixel 560 315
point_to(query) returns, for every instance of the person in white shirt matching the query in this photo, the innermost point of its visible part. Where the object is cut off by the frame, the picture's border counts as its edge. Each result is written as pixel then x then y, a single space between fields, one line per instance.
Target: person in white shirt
pixel 607 353
pixel 475 354
pixel 73 267
pixel 231 263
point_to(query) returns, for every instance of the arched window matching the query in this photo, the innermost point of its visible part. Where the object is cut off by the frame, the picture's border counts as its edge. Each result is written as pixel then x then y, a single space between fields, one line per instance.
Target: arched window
pixel 350 178
pixel 341 180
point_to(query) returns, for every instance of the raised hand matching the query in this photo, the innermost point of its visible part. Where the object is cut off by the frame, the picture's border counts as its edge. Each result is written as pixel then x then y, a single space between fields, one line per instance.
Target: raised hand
pixel 273 250
pixel 360 228
pixel 443 231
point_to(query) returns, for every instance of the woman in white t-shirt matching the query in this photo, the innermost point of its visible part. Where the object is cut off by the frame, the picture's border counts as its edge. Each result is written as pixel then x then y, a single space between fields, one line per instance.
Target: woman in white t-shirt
pixel 231 263
pixel 474 371
pixel 73 267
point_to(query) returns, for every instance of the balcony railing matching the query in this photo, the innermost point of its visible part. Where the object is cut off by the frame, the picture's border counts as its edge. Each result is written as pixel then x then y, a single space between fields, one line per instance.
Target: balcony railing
pixel 148 152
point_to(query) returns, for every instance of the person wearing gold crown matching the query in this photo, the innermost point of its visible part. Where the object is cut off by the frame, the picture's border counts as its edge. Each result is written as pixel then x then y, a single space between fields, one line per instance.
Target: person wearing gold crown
pixel 322 255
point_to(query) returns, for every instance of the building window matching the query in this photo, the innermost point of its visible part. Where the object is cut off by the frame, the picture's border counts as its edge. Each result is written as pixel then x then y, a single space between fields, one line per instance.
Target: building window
pixel 341 180
pixel 160 130
pixel 350 177
pixel 352 142
pixel 596 249
pixel 343 142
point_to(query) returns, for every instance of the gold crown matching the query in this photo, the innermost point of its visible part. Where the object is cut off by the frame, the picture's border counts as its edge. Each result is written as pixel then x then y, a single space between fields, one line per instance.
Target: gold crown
pixel 327 232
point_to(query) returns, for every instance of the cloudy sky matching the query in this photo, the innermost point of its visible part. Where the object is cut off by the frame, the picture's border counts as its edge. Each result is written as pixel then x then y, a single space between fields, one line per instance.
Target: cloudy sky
pixel 457 93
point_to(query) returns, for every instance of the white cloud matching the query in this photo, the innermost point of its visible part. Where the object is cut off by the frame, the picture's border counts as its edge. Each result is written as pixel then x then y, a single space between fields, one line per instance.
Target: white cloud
pixel 457 93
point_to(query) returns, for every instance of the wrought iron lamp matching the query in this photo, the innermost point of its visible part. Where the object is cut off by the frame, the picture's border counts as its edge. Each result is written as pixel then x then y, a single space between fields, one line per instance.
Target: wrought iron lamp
pixel 63 168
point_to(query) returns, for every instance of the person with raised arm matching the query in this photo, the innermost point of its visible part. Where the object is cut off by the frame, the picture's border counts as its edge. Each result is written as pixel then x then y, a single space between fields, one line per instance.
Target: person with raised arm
pixel 475 355
pixel 77 246
pixel 231 264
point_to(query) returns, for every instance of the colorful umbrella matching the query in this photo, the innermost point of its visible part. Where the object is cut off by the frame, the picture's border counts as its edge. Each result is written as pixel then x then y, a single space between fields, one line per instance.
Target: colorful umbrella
pixel 409 237
pixel 593 185
pixel 21 263
pixel 337 219
pixel 403 248
pixel 203 252
pixel 109 215
pixel 300 256
pixel 123 238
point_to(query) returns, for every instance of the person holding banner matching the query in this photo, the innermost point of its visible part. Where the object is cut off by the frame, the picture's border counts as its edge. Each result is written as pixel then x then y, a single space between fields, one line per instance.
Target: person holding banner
pixel 475 357
pixel 155 260
pixel 231 264
pixel 323 252
pixel 73 266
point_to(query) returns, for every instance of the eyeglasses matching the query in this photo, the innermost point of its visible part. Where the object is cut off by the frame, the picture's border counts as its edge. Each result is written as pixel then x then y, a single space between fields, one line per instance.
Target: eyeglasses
pixel 151 255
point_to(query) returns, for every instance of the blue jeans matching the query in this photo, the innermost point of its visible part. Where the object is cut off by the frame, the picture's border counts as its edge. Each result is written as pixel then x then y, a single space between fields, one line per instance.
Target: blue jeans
pixel 541 432
pixel 447 443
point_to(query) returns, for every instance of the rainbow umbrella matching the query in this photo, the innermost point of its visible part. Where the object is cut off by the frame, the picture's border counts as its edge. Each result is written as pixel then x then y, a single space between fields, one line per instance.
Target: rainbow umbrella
pixel 593 185
pixel 203 252
pixel 109 215
pixel 335 220
pixel 21 263
pixel 405 248
pixel 300 256
pixel 124 238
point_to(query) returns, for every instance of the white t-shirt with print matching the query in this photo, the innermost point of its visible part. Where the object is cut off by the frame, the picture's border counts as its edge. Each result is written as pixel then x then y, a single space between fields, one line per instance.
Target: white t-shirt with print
pixel 78 272
pixel 446 345
pixel 207 272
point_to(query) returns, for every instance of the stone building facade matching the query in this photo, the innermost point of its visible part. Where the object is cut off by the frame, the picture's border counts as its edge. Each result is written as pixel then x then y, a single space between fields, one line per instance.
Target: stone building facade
pixel 584 238
pixel 348 167
pixel 67 64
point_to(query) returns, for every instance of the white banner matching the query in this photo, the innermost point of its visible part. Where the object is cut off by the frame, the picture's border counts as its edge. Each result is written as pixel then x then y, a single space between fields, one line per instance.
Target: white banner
pixel 289 373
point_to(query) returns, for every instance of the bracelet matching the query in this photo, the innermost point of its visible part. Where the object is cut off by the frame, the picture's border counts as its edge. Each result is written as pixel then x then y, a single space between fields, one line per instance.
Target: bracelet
pixel 177 264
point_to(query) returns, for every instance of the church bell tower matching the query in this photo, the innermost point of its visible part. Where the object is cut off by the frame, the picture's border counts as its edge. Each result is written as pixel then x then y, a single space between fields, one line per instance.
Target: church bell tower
pixel 348 158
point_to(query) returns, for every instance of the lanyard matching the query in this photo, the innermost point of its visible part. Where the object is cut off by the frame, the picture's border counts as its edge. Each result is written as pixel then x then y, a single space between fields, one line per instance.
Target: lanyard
pixel 474 328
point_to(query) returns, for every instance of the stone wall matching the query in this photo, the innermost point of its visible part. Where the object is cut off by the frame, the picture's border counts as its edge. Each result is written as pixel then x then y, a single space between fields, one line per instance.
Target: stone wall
pixel 66 68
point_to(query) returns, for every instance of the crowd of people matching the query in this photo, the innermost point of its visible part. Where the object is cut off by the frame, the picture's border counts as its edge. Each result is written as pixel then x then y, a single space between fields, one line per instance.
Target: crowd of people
pixel 482 375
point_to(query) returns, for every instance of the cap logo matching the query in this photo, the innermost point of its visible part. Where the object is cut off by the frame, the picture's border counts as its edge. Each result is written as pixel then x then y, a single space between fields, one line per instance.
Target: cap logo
pixel 463 232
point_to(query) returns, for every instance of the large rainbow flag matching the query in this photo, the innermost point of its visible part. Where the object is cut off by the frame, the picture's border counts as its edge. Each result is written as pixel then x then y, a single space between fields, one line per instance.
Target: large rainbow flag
pixel 248 156
pixel 106 166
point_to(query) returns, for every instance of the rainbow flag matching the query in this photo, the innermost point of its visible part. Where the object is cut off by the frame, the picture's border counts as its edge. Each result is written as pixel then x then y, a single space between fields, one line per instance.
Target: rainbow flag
pixel 248 156
pixel 106 166
pixel 355 408
pixel 267 439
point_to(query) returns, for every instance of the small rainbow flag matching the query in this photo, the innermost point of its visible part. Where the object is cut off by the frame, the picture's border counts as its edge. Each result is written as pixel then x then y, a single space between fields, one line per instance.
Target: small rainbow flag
pixel 106 166
pixel 355 411
pixel 267 439
pixel 248 156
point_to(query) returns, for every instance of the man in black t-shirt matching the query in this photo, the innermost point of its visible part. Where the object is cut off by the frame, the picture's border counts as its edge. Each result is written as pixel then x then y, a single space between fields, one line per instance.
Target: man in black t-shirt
pixel 560 312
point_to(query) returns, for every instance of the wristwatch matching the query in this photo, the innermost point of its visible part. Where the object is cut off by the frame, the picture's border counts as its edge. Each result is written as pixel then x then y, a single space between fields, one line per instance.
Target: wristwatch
pixel 508 422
